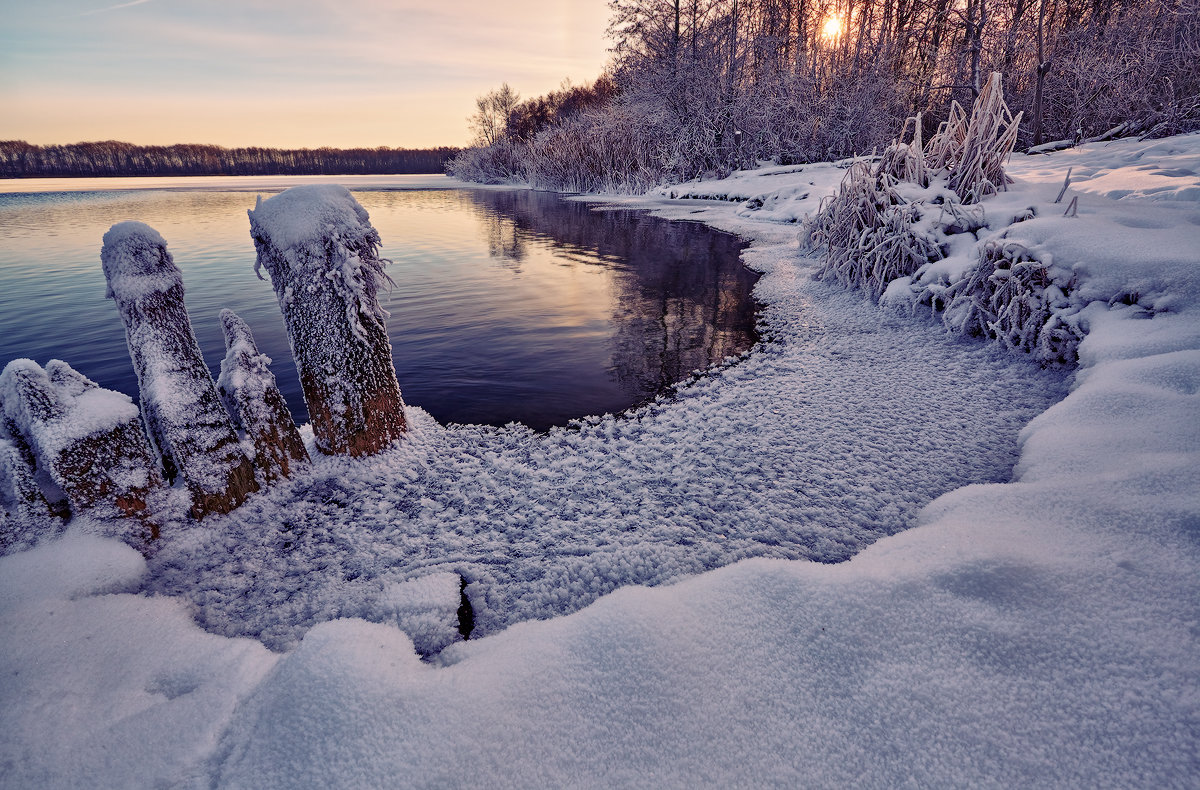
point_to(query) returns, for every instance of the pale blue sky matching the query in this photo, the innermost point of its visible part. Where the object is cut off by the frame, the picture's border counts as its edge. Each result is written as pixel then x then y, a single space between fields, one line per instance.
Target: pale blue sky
pixel 303 73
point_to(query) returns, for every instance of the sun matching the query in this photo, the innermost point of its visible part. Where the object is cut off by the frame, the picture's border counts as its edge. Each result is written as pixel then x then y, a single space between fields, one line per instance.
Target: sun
pixel 832 27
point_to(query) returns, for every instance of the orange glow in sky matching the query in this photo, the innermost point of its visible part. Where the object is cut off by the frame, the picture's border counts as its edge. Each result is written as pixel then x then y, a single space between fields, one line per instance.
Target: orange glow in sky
pixel 298 73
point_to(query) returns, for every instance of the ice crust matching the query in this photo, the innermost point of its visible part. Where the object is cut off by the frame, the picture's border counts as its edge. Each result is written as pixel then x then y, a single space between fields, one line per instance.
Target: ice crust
pixel 1040 632
pixel 810 448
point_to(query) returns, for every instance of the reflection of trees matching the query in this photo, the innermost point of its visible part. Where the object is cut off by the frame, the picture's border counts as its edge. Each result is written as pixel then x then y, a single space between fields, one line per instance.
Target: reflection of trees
pixel 506 241
pixel 682 296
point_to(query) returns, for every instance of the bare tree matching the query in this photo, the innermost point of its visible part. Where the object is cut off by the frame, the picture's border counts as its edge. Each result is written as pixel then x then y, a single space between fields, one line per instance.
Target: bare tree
pixel 489 124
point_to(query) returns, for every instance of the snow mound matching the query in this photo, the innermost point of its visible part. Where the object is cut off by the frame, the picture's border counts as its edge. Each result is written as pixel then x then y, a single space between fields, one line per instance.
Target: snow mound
pixel 86 668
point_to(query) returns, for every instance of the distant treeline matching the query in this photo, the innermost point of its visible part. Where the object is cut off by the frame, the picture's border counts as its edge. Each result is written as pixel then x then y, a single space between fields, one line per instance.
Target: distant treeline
pixel 19 159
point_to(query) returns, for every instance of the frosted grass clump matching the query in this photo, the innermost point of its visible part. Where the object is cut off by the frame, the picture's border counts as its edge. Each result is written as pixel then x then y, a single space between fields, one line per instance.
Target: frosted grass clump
pixel 870 232
pixel 886 224
pixel 1016 298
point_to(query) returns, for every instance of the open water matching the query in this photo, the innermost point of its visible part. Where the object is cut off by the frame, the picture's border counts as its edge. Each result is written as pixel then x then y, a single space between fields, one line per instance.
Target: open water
pixel 509 305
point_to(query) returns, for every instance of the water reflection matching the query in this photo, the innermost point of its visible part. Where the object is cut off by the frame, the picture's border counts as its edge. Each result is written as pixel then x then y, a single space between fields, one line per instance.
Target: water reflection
pixel 681 297
pixel 509 305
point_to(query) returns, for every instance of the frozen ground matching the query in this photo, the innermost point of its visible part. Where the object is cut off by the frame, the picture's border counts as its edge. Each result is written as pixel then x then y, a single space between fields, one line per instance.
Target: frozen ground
pixel 832 435
pixel 1043 631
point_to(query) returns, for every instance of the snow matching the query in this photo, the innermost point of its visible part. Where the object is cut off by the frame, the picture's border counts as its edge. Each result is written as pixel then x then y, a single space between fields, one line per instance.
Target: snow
pixel 104 688
pixel 1039 631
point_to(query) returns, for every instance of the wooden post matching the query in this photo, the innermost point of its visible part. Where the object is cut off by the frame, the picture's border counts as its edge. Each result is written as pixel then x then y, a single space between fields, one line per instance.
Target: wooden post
pixel 248 389
pixel 26 516
pixel 86 440
pixel 183 413
pixel 323 257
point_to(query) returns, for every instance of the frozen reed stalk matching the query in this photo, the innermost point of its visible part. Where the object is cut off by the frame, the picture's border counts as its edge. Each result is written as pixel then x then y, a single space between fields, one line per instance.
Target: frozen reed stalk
pixel 323 257
pixel 248 389
pixel 987 142
pixel 906 161
pixel 87 442
pixel 183 414
pixel 1066 183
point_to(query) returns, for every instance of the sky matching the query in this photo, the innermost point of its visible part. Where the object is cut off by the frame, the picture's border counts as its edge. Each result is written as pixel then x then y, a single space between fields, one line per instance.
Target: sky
pixel 281 73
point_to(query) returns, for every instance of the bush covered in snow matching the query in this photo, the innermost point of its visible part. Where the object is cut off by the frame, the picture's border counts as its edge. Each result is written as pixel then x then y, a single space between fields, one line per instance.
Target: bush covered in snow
pixel 888 222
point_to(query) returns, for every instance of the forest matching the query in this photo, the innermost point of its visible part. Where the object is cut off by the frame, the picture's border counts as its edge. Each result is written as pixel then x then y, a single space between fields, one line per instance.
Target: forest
pixel 701 87
pixel 19 159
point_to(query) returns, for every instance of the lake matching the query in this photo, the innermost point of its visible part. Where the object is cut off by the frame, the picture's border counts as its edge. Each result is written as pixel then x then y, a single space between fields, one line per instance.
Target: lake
pixel 509 305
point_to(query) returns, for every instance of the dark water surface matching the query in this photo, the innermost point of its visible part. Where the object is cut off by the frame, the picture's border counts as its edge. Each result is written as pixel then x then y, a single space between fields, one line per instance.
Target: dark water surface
pixel 508 305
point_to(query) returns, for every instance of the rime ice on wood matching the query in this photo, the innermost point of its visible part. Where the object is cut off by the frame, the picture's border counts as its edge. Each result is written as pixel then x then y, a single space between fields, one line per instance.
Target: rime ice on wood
pixel 323 257
pixel 184 415
pixel 87 441
pixel 25 514
pixel 248 389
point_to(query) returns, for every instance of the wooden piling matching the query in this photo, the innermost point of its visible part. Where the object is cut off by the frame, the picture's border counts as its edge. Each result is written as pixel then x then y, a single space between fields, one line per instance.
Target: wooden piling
pixel 322 254
pixel 184 417
pixel 247 387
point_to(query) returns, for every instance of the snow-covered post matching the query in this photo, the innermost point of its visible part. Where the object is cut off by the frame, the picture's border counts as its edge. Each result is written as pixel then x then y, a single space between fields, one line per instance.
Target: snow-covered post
pixel 86 440
pixel 183 413
pixel 25 515
pixel 248 389
pixel 323 257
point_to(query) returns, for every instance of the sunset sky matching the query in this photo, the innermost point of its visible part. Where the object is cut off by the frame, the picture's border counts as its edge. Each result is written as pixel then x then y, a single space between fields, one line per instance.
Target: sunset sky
pixel 283 73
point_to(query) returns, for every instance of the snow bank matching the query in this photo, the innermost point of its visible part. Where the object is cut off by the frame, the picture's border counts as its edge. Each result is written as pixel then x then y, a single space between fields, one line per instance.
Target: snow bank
pixel 102 688
pixel 1039 632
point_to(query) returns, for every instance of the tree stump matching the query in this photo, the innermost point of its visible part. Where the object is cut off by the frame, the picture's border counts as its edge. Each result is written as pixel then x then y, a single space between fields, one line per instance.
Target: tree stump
pixel 323 257
pixel 87 440
pixel 247 387
pixel 183 414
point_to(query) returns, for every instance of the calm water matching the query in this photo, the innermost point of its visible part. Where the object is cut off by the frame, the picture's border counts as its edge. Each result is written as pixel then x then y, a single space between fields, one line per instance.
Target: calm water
pixel 508 305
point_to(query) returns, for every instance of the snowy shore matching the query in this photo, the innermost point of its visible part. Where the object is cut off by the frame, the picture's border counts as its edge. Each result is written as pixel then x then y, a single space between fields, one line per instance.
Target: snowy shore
pixel 1043 631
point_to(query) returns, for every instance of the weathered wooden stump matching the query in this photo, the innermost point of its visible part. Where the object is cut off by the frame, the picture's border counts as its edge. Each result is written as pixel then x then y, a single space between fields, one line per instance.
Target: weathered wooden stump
pixel 87 441
pixel 247 387
pixel 183 414
pixel 323 257
pixel 26 516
